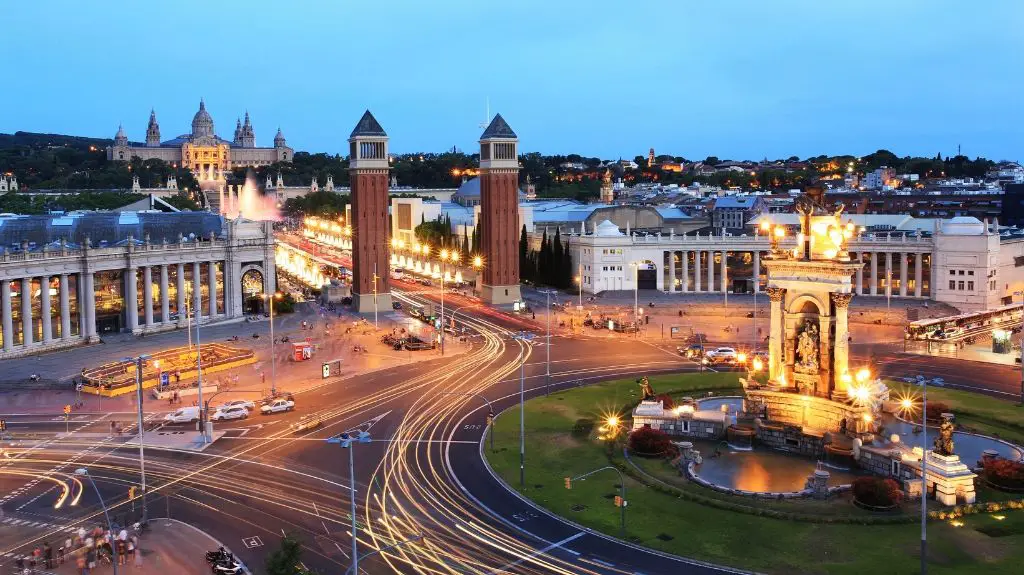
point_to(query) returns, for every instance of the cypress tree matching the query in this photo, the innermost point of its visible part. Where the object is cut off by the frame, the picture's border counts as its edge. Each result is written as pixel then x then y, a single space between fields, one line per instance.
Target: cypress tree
pixel 556 260
pixel 524 255
pixel 567 268
pixel 542 259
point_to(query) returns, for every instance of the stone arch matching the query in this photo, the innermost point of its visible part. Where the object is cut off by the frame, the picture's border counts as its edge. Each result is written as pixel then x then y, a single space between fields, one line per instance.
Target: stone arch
pixel 803 305
pixel 253 286
pixel 647 274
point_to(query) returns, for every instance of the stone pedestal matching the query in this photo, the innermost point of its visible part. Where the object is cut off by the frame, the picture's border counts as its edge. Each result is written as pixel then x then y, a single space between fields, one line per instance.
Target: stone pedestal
pixel 953 480
pixel 817 483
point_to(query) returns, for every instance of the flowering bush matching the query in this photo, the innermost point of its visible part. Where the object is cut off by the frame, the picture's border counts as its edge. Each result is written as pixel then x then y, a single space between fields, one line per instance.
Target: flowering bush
pixel 935 411
pixel 877 491
pixel 1005 473
pixel 666 400
pixel 650 442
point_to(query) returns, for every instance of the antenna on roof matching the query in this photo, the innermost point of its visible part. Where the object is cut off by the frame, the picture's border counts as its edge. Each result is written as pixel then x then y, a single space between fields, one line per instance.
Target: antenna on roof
pixel 487 119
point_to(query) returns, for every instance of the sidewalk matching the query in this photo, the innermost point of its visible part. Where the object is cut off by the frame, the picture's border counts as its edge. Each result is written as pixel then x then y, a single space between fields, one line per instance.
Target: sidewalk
pixel 179 548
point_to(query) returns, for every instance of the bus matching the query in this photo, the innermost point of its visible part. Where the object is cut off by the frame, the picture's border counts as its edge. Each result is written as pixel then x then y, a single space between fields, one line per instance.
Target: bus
pixel 957 327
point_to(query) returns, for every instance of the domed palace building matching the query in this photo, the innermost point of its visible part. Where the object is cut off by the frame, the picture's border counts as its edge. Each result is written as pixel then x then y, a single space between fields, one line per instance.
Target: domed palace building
pixel 202 151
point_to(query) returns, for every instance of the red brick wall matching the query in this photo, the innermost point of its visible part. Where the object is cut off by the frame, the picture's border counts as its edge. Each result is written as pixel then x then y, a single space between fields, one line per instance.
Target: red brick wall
pixel 370 230
pixel 499 226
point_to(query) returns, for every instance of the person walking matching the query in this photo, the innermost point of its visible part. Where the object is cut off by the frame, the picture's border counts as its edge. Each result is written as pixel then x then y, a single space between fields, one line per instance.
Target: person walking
pixel 47 555
pixel 82 564
pixel 67 549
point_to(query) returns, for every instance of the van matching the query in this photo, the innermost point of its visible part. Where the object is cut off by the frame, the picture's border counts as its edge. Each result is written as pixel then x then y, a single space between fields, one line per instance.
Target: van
pixel 183 415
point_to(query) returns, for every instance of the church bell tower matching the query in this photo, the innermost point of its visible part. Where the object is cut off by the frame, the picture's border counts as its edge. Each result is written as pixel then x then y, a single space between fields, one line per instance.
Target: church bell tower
pixel 368 169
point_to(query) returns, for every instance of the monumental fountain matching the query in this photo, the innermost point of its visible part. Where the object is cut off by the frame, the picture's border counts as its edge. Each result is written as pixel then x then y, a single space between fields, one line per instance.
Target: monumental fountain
pixel 812 401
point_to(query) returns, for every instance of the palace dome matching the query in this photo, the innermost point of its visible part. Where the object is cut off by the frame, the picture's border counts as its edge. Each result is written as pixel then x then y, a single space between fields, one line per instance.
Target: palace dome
pixel 963 226
pixel 202 123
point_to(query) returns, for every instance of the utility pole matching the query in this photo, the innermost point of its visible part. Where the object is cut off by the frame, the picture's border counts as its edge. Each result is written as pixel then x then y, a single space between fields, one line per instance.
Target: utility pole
pixel 142 432
pixel 924 477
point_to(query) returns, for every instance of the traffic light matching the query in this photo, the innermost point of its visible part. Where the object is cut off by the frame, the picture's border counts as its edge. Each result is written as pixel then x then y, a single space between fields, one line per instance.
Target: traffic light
pixel 3 425
pixel 490 419
pixel 619 501
pixel 131 492
pixel 568 482
pixel 67 409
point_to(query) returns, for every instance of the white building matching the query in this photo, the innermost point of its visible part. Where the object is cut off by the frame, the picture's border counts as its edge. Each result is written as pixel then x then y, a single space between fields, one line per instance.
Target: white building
pixel 963 262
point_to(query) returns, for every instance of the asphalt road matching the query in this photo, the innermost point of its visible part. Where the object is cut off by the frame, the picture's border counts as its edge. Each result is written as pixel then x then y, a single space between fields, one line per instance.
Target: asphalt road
pixel 421 475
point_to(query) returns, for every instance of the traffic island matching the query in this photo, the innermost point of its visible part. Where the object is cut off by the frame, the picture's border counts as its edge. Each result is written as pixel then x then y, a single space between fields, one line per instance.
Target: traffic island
pixel 570 433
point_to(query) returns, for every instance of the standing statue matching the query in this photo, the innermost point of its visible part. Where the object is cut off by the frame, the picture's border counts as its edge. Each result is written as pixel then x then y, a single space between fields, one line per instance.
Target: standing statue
pixel 807 349
pixel 646 389
pixel 944 441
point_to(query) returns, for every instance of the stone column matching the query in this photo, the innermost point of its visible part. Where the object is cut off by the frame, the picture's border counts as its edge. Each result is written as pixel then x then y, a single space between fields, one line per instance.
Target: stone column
pixel 711 272
pixel 26 310
pixel 147 296
pixel 757 271
pixel 842 347
pixel 212 272
pixel 220 201
pixel 903 274
pixel 671 271
pixel 917 274
pixel 725 271
pixel 696 271
pixel 888 274
pixel 182 305
pixel 197 293
pixel 87 305
pixel 860 274
pixel 165 296
pixel 131 298
pixel 5 308
pixel 44 309
pixel 65 308
pixel 685 257
pixel 874 274
pixel 775 357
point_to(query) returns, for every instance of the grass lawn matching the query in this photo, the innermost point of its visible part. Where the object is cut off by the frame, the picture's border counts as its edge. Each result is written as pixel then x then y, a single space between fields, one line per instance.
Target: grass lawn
pixel 665 522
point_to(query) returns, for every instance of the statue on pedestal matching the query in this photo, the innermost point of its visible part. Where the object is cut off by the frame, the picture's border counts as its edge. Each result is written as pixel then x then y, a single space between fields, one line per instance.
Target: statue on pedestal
pixel 944 441
pixel 807 349
pixel 646 389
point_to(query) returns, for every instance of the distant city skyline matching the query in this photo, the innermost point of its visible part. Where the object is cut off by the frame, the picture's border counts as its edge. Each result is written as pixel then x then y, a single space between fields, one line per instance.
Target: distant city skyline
pixel 730 79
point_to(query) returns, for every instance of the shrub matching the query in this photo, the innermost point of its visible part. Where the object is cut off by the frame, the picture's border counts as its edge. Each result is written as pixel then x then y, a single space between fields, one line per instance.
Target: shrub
pixel 666 400
pixel 935 410
pixel 582 428
pixel 877 491
pixel 649 442
pixel 1005 473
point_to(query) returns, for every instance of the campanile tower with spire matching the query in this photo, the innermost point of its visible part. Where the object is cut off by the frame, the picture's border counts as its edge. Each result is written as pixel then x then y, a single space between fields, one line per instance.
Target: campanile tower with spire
pixel 499 212
pixel 368 172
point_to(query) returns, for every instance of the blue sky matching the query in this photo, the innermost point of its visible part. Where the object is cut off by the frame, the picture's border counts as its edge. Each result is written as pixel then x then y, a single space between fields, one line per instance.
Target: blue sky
pixel 731 78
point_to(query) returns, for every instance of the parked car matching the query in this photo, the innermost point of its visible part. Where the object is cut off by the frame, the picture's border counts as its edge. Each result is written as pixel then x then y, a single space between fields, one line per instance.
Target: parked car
pixel 183 415
pixel 250 405
pixel 426 282
pixel 307 422
pixel 233 412
pixel 277 406
pixel 721 355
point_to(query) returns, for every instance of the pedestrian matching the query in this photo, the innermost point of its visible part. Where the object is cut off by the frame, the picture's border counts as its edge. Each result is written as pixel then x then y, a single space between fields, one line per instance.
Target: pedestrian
pixel 122 551
pixel 90 558
pixel 67 549
pixel 82 565
pixel 47 555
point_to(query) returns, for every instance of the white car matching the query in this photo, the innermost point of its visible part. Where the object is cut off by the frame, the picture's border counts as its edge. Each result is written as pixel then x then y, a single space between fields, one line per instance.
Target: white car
pixel 722 354
pixel 225 413
pixel 250 405
pixel 277 406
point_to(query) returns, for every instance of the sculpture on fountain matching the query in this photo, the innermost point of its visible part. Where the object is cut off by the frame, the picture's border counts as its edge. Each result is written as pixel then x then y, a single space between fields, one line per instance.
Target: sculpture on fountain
pixel 646 389
pixel 944 441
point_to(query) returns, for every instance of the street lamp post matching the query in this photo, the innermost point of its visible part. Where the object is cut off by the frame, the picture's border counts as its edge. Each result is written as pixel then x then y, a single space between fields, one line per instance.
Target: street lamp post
pixel 139 362
pixel 622 490
pixel 524 339
pixel 547 369
pixel 273 359
pixel 924 477
pixel 83 472
pixel 199 370
pixel 345 440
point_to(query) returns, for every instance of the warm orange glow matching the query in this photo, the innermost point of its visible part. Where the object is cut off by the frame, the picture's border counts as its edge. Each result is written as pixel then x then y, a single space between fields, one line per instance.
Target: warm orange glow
pixel 765 226
pixel 780 232
pixel 478 261
pixel 758 365
pixel 741 357
pixel 863 374
pixel 444 254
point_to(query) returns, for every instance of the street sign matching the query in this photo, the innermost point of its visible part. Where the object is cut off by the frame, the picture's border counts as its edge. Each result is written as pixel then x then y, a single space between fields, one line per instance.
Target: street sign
pixel 165 379
pixel 331 368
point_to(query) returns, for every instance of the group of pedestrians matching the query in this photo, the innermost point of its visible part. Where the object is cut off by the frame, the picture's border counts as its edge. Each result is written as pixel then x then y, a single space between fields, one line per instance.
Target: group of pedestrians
pixel 87 549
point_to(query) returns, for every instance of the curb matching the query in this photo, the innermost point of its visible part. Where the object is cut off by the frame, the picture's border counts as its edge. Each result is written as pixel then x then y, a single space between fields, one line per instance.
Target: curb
pixel 207 535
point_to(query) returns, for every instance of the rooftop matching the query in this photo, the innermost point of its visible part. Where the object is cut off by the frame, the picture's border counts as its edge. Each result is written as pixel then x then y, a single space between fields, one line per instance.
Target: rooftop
pixel 109 228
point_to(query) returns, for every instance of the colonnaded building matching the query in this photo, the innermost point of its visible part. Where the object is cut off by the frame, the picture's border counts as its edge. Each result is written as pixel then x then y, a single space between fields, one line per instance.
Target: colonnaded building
pixel 78 276
pixel 202 151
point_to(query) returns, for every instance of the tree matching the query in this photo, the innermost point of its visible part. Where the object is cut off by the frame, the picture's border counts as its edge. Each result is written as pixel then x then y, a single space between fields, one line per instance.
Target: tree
pixel 543 259
pixel 524 256
pixel 557 277
pixel 287 559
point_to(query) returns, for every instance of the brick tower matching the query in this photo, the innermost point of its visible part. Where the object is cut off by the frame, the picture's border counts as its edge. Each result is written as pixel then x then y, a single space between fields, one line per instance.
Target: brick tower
pixel 368 171
pixel 499 212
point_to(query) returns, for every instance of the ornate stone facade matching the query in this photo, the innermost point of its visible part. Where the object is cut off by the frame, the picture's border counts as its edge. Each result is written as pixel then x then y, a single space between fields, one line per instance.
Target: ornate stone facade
pixel 204 153
pixel 499 212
